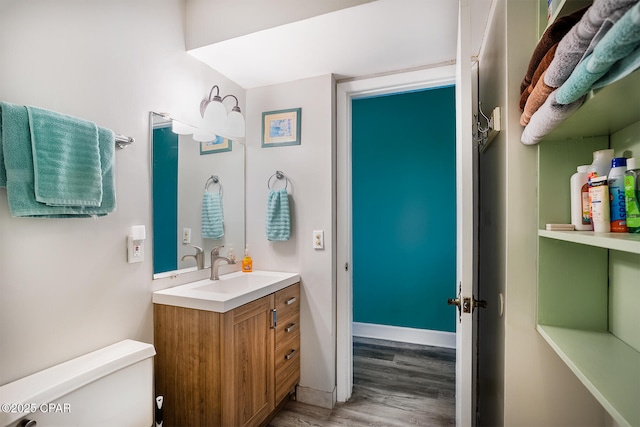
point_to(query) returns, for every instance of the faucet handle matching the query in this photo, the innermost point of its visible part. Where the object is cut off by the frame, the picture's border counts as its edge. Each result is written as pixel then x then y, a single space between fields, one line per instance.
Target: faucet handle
pixel 216 250
pixel 198 249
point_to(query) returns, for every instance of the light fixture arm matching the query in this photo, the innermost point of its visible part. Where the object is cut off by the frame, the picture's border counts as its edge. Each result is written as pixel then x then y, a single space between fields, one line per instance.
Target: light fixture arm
pixel 205 102
pixel 236 107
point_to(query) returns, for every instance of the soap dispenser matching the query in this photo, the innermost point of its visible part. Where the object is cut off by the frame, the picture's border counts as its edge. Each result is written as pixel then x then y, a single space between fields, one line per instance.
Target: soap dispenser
pixel 247 262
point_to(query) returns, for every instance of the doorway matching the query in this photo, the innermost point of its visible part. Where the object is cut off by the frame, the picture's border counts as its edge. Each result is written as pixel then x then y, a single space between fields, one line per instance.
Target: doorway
pixel 403 178
pixel 346 92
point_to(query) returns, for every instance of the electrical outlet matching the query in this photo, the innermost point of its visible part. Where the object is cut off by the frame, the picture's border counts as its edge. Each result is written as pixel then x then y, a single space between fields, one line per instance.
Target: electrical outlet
pixel 135 250
pixel 186 235
pixel 318 239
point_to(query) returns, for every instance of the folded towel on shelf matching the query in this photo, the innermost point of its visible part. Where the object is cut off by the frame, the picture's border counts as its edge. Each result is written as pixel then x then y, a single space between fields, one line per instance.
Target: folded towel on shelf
pixel 548 116
pixel 538 97
pixel 212 216
pixel 18 159
pixel 278 223
pixel 622 40
pixel 620 70
pixel 66 159
pixel 552 35
pixel 542 67
pixel 593 25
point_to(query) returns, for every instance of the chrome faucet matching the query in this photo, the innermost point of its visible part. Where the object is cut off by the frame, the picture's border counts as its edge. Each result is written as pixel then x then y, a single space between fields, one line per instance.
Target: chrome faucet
pixel 215 261
pixel 198 256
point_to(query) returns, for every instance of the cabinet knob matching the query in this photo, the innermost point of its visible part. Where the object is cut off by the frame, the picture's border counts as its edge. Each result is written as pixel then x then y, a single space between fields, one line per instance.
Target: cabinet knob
pixel 290 355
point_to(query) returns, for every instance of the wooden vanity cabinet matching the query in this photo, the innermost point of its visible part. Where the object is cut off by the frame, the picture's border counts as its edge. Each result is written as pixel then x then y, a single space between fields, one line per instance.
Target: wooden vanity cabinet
pixel 227 369
pixel 287 355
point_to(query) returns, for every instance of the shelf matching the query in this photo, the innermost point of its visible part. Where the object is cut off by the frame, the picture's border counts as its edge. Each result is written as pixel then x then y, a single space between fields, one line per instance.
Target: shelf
pixel 624 242
pixel 596 116
pixel 609 368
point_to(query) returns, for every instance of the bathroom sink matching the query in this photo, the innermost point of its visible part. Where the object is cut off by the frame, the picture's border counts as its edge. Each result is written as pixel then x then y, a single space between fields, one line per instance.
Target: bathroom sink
pixel 231 291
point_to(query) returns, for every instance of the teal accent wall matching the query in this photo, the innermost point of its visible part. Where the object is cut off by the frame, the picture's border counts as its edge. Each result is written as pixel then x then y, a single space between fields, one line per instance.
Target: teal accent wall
pixel 404 209
pixel 165 208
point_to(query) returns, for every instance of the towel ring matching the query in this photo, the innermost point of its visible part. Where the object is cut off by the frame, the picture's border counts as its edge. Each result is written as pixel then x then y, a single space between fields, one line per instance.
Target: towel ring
pixel 278 175
pixel 213 179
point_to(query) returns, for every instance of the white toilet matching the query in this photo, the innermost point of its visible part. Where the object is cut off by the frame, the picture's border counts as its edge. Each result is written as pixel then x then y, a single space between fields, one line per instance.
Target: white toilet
pixel 111 387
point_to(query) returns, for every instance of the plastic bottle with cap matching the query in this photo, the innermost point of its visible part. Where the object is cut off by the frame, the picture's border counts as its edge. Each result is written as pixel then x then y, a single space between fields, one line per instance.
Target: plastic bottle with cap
pixel 247 262
pixel 618 214
pixel 580 199
pixel 600 167
pixel 632 195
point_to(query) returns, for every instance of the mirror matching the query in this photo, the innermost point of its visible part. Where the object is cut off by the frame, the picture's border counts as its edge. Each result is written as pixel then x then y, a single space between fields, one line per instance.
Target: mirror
pixel 183 169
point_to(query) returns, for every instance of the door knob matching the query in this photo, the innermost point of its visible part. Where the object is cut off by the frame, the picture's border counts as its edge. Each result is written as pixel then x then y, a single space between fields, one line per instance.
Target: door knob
pixel 453 301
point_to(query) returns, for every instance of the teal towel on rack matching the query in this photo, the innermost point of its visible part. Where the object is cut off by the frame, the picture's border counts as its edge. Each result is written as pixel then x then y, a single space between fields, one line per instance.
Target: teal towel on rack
pixel 620 41
pixel 3 171
pixel 278 223
pixel 212 216
pixel 18 160
pixel 66 159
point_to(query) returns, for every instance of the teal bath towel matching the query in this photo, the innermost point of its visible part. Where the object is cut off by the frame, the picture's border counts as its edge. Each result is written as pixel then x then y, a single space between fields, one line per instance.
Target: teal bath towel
pixel 3 171
pixel 66 159
pixel 621 41
pixel 212 216
pixel 18 160
pixel 278 224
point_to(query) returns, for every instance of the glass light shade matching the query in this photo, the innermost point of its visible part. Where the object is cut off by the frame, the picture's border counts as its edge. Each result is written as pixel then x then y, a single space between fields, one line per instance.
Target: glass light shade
pixel 203 136
pixel 181 128
pixel 215 116
pixel 235 124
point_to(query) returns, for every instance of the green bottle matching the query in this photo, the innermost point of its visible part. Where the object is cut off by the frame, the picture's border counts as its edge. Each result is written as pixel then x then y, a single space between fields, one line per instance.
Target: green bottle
pixel 632 195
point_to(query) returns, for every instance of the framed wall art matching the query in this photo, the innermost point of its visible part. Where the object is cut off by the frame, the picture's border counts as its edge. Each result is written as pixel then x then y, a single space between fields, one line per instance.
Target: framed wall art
pixel 218 145
pixel 281 127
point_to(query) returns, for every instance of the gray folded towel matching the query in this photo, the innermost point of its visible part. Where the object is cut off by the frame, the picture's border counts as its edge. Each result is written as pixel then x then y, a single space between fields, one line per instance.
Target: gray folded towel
pixel 593 25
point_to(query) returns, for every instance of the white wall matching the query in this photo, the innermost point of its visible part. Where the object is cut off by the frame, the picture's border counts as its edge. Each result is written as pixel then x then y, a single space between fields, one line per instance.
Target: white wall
pixel 538 388
pixel 65 285
pixel 213 21
pixel 309 167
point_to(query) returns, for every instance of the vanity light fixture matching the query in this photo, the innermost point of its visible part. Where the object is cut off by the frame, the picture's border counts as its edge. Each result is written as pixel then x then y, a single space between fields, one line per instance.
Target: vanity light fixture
pixel 215 115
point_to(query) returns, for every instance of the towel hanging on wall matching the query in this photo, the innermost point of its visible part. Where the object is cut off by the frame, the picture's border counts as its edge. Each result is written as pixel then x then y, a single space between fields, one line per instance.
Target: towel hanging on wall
pixel 212 216
pixel 18 162
pixel 278 224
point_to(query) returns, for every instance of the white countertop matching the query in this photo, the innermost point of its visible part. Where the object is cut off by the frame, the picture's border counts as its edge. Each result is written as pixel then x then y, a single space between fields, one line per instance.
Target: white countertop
pixel 231 291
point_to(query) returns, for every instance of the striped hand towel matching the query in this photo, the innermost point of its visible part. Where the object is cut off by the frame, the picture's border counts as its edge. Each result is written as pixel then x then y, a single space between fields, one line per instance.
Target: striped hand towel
pixel 18 159
pixel 66 159
pixel 278 225
pixel 3 171
pixel 212 216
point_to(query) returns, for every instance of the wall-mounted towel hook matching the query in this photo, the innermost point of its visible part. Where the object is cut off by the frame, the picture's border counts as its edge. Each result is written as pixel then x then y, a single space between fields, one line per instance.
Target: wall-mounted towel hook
pixel 278 175
pixel 213 179
pixel 486 134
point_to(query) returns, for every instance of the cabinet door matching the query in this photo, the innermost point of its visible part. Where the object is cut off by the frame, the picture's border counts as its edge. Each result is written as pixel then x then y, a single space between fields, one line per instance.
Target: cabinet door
pixel 247 358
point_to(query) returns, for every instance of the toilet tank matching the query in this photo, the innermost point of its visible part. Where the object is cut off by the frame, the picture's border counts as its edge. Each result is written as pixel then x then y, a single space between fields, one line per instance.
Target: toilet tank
pixel 112 386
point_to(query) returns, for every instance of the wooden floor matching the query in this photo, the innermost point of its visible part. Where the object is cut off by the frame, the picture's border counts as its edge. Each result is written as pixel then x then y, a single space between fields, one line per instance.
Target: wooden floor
pixel 395 384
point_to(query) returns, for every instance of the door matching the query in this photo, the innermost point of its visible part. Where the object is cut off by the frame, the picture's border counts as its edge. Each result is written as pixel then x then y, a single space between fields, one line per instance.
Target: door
pixel 466 214
pixel 466 167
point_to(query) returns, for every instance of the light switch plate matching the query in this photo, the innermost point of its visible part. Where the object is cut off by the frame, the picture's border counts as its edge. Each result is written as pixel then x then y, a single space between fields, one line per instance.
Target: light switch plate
pixel 318 239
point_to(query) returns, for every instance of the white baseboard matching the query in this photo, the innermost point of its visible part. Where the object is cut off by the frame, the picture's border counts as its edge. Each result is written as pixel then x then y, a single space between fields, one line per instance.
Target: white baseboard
pixel 402 334
pixel 311 396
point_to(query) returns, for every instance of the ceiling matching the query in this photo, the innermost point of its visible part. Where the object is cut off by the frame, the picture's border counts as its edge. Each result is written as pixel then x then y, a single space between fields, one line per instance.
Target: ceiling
pixel 373 38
